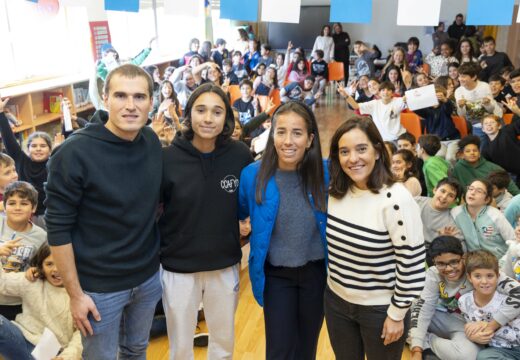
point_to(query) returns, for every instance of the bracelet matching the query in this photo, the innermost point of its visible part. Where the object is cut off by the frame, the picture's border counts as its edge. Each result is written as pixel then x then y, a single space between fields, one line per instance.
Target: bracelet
pixel 416 349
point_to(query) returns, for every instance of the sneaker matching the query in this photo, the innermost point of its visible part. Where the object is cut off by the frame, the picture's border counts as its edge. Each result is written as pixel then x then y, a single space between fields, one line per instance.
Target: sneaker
pixel 201 338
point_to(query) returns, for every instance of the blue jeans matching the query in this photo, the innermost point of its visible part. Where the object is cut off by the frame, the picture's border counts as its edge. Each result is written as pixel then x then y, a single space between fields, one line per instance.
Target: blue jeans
pixel 126 319
pixel 13 345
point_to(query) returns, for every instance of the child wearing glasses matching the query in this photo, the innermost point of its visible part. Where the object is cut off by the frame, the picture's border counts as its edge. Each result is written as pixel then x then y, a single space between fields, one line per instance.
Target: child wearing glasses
pixel 437 325
pixel 484 227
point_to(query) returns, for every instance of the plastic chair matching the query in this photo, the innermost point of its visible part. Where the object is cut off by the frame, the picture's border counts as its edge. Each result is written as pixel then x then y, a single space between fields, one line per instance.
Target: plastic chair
pixel 460 124
pixel 263 100
pixel 336 71
pixel 426 68
pixel 412 123
pixel 508 118
pixel 234 93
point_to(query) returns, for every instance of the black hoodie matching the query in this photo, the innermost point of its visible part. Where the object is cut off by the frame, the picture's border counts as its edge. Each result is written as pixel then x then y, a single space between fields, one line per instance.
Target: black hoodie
pixel 199 226
pixel 102 196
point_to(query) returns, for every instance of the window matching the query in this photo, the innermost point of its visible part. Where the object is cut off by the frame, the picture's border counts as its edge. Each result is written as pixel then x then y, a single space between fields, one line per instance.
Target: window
pixel 36 44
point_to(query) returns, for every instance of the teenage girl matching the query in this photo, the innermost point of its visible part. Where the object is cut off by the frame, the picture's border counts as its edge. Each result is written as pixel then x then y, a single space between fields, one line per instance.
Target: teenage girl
pixel 200 242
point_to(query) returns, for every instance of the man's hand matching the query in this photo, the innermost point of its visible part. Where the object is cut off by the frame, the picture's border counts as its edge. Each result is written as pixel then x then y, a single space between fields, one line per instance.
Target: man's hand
pixel 392 330
pixel 80 307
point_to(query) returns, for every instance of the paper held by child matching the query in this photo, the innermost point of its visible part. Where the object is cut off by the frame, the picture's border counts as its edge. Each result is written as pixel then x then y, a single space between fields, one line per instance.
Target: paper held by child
pixel 48 346
pixel 421 98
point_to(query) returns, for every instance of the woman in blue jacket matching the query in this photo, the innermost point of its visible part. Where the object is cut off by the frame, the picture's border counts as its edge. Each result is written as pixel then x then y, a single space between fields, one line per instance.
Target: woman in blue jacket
pixel 285 196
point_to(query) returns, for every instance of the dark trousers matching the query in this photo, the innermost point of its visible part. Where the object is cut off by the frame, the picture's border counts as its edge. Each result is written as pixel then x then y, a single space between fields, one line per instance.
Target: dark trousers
pixel 293 310
pixel 355 330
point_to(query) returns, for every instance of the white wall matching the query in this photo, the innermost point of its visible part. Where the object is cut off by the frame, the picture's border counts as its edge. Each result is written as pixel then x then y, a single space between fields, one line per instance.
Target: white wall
pixel 384 32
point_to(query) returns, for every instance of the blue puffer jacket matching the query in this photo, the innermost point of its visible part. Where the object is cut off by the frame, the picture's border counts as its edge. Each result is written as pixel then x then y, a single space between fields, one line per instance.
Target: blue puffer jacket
pixel 263 218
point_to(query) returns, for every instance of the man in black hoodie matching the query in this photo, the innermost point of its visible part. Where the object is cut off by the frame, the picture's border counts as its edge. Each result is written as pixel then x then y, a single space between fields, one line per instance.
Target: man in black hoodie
pixel 102 198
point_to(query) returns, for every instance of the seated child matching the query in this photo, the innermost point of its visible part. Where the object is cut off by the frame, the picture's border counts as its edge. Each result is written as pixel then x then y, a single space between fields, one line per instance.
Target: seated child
pixel 247 105
pixel 480 305
pixel 436 320
pixel 435 168
pixel 435 212
pixel 500 179
pixel 8 175
pixel 238 68
pixel 320 71
pixel 45 304
pixel 483 226
pixel 472 166
pixel 407 141
pixel 365 61
pixel 19 237
pixel 405 171
pixel 360 90
pixel 293 91
pixel 385 111
pixel 228 73
pixel 497 84
pixel 502 147
pixel 265 55
pixel 414 56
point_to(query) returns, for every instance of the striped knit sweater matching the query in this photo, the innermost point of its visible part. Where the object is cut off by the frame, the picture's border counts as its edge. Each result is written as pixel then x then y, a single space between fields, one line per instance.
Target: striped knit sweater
pixel 376 248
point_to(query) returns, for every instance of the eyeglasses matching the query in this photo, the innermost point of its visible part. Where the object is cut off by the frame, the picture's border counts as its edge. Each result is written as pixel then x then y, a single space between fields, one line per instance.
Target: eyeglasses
pixel 477 190
pixel 452 264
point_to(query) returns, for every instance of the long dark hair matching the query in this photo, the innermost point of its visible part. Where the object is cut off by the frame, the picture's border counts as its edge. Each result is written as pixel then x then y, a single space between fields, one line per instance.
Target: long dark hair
pixel 381 175
pixel 229 124
pixel 37 260
pixel 409 158
pixel 458 53
pixel 310 169
pixel 173 96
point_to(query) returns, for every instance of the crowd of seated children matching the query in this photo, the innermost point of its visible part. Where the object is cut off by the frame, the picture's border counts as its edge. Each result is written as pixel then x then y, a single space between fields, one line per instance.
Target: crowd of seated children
pixel 31 167
pixel 437 325
pixel 434 167
pixel 471 165
pixel 483 226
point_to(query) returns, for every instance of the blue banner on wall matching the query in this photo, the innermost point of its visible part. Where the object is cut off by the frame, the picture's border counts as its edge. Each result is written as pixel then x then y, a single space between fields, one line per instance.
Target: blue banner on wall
pixel 485 12
pixel 122 5
pixel 239 10
pixel 351 11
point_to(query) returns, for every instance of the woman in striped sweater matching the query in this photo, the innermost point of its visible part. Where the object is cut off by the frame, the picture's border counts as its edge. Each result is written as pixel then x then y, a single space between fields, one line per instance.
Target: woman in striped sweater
pixel 375 248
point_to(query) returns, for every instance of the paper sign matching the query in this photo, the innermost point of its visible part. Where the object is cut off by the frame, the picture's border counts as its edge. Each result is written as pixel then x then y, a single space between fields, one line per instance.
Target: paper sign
pixel 122 5
pixel 239 10
pixel 48 346
pixel 418 12
pixel 284 11
pixel 183 8
pixel 421 97
pixel 351 11
pixel 485 12
pixel 260 142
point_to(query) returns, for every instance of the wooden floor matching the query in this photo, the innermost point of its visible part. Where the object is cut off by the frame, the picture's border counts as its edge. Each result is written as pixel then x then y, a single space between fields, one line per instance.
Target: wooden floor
pixel 249 323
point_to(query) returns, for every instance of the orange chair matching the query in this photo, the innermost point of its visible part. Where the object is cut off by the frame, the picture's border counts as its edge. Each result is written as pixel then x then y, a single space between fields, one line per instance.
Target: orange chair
pixel 426 68
pixel 234 93
pixel 460 124
pixel 263 100
pixel 508 118
pixel 412 123
pixel 336 71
